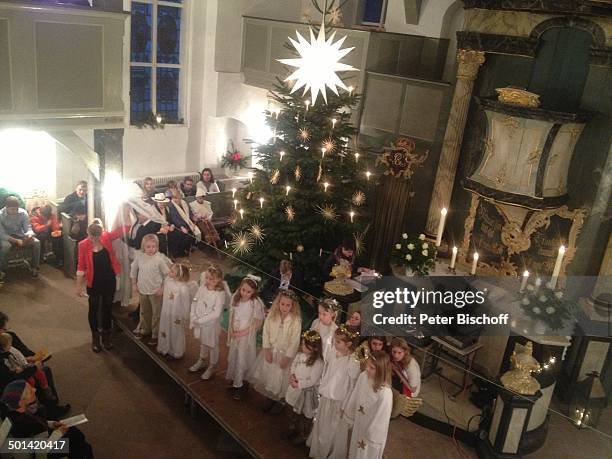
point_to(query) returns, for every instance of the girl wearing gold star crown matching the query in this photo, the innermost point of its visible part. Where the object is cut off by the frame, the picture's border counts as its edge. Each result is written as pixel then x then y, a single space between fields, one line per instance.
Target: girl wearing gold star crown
pixel 329 436
pixel 368 409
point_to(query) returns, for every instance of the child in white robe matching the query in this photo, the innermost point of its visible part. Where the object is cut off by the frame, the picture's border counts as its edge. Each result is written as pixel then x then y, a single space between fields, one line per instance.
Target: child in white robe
pixel 280 343
pixel 175 312
pixel 325 323
pixel 246 314
pixel 368 409
pixel 206 310
pixel 329 436
pixel 302 393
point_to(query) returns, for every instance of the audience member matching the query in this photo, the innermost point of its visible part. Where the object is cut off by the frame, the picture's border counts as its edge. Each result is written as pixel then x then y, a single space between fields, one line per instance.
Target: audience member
pixel 186 233
pixel 29 420
pixel 47 228
pixel 16 231
pixel 98 267
pixel 187 187
pixel 207 182
pixel 143 226
pixel 75 205
pixel 149 190
pixel 202 213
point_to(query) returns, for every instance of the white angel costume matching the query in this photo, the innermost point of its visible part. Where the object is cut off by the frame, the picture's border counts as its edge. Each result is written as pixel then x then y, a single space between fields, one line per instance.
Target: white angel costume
pixel 174 317
pixel 326 332
pixel 305 398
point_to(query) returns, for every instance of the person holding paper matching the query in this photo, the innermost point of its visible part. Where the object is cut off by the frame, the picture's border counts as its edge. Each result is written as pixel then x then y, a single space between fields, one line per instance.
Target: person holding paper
pixel 29 421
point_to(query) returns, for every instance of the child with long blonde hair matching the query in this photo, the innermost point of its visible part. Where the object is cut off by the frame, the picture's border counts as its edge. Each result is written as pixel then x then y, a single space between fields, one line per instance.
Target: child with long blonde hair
pixel 148 271
pixel 368 409
pixel 174 315
pixel 302 393
pixel 280 343
pixel 406 372
pixel 245 318
pixel 206 310
pixel 329 436
pixel 325 323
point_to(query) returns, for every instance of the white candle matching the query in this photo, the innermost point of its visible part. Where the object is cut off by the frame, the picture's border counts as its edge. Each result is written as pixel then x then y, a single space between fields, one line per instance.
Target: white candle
pixel 474 264
pixel 323 150
pixel 352 214
pixel 557 269
pixel 235 204
pixel 368 173
pixel 225 244
pixel 453 258
pixel 250 176
pixel 291 256
pixel 325 185
pixel 282 153
pixel 524 281
pixel 356 157
pixel 320 252
pixel 288 188
pixel 261 201
pixel 307 104
pixel 234 193
pixel 441 226
pixel 334 121
pixel 350 90
pixel 241 213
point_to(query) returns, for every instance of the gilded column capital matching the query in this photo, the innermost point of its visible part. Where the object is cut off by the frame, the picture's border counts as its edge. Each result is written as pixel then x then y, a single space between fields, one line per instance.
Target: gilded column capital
pixel 469 61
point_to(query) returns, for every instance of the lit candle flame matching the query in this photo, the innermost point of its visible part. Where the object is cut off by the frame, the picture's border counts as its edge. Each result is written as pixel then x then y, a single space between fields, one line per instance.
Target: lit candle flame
pixel 282 153
pixel 261 201
pixel 325 185
pixel 234 192
pixel 241 213
pixel 288 188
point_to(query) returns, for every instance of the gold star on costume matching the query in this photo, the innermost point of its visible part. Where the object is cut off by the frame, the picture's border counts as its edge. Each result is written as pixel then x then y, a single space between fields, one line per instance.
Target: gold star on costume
pixel 304 135
pixel 359 198
pixel 298 173
pixel 327 211
pixel 290 213
pixel 361 409
pixel 257 232
pixel 274 177
pixel 335 16
pixel 329 145
pixel 359 245
pixel 317 65
pixel 241 243
pixel 361 444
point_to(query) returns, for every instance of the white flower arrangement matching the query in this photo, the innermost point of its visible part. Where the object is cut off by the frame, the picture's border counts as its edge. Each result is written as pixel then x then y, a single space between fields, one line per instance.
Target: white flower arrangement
pixel 542 298
pixel 422 237
pixel 410 246
pixel 404 236
pixel 552 308
pixel 398 246
pixel 414 254
pixel 408 257
pixel 425 253
pixel 536 310
pixel 425 245
pixel 525 301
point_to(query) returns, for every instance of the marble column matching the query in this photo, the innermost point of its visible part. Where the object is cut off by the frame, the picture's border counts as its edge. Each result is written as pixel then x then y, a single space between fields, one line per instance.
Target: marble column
pixel 469 61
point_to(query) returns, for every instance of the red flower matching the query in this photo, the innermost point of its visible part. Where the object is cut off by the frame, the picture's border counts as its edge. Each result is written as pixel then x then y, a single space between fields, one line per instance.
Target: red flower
pixel 237 156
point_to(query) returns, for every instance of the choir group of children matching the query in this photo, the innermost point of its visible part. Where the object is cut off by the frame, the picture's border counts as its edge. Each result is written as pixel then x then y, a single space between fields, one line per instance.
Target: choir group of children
pixel 341 403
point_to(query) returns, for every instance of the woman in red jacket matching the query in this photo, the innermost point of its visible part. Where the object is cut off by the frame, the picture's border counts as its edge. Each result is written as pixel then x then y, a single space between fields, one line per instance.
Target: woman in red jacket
pixel 47 228
pixel 98 265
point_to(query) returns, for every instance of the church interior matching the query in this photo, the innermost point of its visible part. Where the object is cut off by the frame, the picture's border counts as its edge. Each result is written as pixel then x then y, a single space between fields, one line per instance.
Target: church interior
pixel 214 215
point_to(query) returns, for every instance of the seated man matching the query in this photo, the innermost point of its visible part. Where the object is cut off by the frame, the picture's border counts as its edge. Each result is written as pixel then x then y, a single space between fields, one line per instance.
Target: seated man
pixel 16 231
pixel 47 228
pixel 75 205
pixel 188 187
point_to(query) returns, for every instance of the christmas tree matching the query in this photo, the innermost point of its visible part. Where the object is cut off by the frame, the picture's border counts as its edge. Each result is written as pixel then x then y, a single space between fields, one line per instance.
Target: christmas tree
pixel 310 190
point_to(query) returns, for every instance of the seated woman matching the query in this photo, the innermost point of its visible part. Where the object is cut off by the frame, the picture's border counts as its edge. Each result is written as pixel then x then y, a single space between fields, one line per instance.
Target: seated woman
pixel 345 253
pixel 207 182
pixel 201 214
pixel 284 278
pixel 406 373
pixel 47 228
pixel 29 421
pixel 185 233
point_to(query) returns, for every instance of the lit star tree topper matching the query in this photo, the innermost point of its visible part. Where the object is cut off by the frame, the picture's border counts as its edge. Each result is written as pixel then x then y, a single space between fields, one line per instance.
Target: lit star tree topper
pixel 318 63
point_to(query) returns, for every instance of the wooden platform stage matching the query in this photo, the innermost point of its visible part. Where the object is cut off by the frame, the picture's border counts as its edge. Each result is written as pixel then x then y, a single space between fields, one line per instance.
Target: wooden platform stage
pixel 260 434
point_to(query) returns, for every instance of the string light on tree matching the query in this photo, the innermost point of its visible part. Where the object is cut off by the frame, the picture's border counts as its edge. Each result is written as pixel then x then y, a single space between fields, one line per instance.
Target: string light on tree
pixel 356 157
pixel 288 189
pixel 282 153
pixel 261 201
pixel 350 90
pixel 352 214
pixel 318 63
pixel 250 175
pixel 290 213
pixel 241 211
pixel 368 175
pixel 307 102
pixel 235 204
pixel 323 150
pixel 234 192
pixel 325 186
pixel 334 121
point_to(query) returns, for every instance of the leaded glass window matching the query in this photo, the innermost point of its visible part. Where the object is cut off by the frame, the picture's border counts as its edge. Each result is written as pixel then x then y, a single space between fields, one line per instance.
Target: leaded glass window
pixel 156 60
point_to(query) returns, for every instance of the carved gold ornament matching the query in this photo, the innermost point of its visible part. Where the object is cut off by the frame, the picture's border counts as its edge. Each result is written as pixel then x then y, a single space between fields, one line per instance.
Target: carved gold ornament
pixel 513 237
pixel 518 97
pixel 402 159
pixel 519 379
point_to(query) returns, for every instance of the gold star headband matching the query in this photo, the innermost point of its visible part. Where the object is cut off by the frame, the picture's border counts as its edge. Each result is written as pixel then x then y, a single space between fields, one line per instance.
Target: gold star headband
pixel 349 334
pixel 311 336
pixel 330 303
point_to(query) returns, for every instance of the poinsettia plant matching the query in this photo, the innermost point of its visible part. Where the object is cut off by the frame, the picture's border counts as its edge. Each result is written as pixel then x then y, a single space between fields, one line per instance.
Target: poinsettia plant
pixel 414 253
pixel 233 158
pixel 548 305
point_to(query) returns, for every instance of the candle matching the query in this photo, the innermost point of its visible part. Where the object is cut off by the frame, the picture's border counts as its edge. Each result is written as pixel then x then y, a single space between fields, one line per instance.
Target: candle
pixel 225 244
pixel 557 269
pixel 524 281
pixel 288 188
pixel 250 174
pixel 441 226
pixel 234 193
pixel 261 201
pixel 307 104
pixel 368 173
pixel 352 214
pixel 277 112
pixel 356 157
pixel 321 252
pixel 282 153
pixel 235 204
pixel 453 258
pixel 323 150
pixel 334 121
pixel 291 256
pixel 325 185
pixel 474 264
pixel 241 213
pixel 350 90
